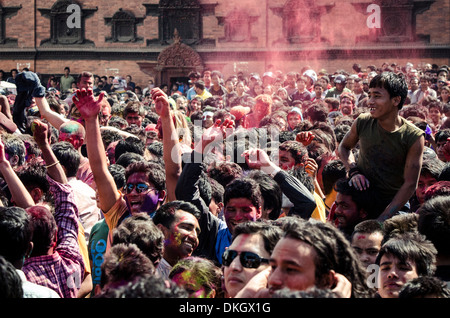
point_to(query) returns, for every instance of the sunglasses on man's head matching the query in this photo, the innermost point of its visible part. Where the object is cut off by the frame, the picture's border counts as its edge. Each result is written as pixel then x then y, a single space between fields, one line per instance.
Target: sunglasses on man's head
pixel 248 259
pixel 140 187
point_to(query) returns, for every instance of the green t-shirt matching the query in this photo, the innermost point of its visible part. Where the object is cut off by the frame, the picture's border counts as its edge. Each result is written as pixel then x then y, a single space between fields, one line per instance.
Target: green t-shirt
pixel 382 154
pixel 65 83
pixel 97 248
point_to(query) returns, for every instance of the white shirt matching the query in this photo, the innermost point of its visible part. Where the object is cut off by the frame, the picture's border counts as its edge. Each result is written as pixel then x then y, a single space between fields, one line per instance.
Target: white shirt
pixel 32 290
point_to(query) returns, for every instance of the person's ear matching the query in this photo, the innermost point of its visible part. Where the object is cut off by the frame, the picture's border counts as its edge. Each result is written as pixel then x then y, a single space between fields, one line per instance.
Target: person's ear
pixel 29 249
pixel 14 160
pixel 396 100
pixel 36 194
pixel 162 195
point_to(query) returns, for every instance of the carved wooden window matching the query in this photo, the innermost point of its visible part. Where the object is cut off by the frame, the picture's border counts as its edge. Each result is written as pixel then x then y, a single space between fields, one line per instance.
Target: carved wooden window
pixel 183 15
pixel 123 27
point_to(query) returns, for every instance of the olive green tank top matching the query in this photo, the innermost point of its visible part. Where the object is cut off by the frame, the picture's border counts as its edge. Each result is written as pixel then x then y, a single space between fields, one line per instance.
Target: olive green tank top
pixel 382 154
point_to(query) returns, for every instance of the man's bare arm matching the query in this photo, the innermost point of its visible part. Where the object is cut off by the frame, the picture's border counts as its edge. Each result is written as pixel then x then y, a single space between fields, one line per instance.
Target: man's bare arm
pixel 411 175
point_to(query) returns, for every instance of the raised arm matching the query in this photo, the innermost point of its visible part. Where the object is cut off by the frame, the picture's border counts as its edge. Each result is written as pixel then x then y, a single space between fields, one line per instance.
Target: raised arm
pixel 55 119
pixel 20 195
pixel 89 108
pixel 41 136
pixel 171 144
pixel 29 82
pixel 295 191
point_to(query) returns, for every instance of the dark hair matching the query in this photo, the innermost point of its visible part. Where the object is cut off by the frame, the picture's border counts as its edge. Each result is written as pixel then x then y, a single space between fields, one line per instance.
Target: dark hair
pixel 333 252
pixel 243 188
pixel 127 158
pixel 224 172
pixel 364 199
pixel 414 247
pixel 44 229
pixel 425 287
pixel 432 167
pixel 434 222
pixel 34 175
pixel 15 146
pixel 395 84
pixel 296 149
pixel 146 286
pixel 140 229
pixel 84 74
pixel 217 190
pixel 16 231
pixel 269 232
pixel 369 226
pixel 331 173
pixel 10 281
pixel 154 171
pixel 133 107
pixel 129 144
pixel 124 262
pixel 118 174
pixel 165 215
pixel 68 156
pixel 270 191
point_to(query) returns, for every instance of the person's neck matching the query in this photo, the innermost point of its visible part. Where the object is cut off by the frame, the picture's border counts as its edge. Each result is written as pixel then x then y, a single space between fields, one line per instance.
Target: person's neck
pixel 390 123
pixel 171 259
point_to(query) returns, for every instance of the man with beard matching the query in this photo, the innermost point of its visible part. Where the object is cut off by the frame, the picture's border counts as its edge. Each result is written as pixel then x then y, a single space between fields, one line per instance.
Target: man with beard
pixel 347 104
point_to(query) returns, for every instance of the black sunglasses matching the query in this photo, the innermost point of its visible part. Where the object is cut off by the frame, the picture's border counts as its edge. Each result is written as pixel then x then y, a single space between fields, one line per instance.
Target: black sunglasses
pixel 140 187
pixel 248 259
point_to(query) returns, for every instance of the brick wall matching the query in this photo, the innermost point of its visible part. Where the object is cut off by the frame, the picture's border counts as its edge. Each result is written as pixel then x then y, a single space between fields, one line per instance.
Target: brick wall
pixel 340 26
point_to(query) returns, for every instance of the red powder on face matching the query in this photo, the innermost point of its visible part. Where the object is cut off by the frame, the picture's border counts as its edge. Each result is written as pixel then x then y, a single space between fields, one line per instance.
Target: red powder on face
pixel 361 237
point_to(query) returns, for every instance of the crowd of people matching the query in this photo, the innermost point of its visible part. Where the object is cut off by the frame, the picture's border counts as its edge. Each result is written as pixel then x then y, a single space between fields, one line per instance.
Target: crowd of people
pixel 305 184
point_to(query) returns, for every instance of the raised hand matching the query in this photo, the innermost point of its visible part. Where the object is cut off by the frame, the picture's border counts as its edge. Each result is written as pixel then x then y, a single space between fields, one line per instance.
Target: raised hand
pixel 40 132
pixel 88 106
pixel 216 133
pixel 162 105
pixel 311 167
pixel 305 137
pixel 256 158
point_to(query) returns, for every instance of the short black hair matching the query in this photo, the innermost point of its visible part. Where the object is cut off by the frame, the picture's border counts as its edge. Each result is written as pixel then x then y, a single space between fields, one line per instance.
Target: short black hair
pixel 395 84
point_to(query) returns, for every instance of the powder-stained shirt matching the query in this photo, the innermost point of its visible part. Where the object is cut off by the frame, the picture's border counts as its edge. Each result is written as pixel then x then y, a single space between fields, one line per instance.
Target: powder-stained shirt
pixel 62 271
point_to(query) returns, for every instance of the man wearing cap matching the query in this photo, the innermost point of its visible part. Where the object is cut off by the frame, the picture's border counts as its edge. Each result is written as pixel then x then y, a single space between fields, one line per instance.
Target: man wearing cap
pixel 268 78
pixel 311 77
pixel 340 81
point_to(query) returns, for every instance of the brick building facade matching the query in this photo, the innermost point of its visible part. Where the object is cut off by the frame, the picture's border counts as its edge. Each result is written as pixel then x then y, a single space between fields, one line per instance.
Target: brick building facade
pixel 166 39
